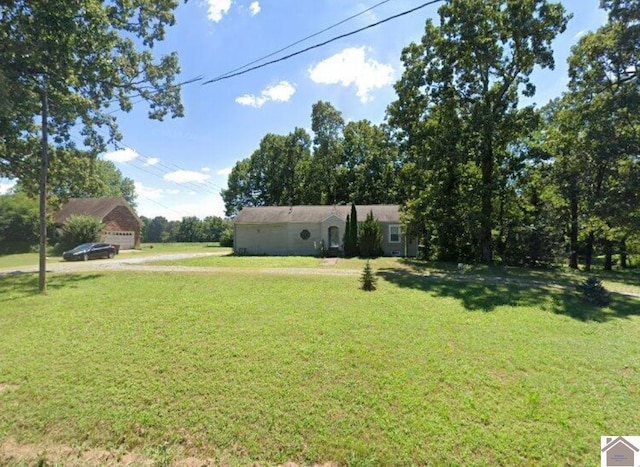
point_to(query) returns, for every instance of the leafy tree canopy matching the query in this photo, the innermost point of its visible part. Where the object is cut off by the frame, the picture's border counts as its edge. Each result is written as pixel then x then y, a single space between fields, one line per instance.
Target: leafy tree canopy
pixel 88 57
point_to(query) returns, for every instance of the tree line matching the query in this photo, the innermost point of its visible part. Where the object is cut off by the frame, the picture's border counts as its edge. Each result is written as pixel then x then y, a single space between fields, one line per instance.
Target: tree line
pixel 481 177
pixel 189 229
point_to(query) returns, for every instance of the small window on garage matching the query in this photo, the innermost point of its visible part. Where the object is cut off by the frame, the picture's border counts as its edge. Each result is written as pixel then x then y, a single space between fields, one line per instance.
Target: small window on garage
pixel 305 234
pixel 395 232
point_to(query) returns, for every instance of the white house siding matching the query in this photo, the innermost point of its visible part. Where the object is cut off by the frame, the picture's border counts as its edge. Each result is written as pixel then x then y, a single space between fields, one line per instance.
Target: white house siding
pixel 276 230
pixel 297 245
pixel 265 239
pixel 397 249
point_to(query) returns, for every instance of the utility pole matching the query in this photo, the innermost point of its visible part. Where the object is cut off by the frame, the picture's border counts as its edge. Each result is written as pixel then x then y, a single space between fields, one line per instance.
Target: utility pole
pixel 44 168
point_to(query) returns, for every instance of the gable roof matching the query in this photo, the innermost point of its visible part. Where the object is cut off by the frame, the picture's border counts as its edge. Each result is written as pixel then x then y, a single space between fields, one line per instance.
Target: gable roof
pixel 299 214
pixel 95 207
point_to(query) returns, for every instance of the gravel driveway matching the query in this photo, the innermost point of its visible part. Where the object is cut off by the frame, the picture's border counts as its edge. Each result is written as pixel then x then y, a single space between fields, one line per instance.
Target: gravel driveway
pixel 124 261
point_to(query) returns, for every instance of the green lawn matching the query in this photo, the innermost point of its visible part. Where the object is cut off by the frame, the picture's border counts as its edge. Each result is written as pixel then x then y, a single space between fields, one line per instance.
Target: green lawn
pixel 246 367
pixel 617 280
pixel 24 259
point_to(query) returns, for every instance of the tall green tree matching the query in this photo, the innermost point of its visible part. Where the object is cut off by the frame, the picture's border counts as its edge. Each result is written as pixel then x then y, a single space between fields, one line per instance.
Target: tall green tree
pixel 328 167
pixel 370 164
pixel 274 175
pixel 66 65
pixel 79 175
pixel 153 229
pixel 351 234
pixel 466 76
pixel 370 237
pixel 18 223
pixel 605 86
pixel 190 230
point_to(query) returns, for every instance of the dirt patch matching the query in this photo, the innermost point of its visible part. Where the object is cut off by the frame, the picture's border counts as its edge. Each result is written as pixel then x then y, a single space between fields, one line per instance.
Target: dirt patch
pixel 13 453
pixel 7 387
pixel 195 462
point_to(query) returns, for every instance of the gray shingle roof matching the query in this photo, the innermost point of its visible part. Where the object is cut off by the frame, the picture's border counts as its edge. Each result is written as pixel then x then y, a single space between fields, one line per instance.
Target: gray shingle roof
pixel 96 207
pixel 287 214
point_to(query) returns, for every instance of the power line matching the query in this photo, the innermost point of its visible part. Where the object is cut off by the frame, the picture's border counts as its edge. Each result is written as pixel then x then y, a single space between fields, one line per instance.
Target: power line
pixel 182 214
pixel 322 44
pixel 302 40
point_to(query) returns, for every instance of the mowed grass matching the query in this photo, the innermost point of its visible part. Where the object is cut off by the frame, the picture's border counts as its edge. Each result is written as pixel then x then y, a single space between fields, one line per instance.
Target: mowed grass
pixel 24 259
pixel 248 367
pixel 617 280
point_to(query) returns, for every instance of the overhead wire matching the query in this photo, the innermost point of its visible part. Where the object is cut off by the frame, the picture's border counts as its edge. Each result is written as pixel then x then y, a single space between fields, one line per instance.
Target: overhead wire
pixel 182 214
pixel 322 44
pixel 243 70
pixel 195 79
pixel 311 36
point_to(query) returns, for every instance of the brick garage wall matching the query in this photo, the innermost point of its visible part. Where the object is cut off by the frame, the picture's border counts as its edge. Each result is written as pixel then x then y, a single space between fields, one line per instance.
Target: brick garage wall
pixel 121 219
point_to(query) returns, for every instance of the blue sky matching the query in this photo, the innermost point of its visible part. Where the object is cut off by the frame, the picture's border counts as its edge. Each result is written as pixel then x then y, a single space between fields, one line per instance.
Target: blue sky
pixel 180 165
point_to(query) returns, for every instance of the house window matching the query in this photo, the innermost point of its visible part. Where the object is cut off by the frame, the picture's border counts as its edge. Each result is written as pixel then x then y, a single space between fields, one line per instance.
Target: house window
pixel 305 234
pixel 334 237
pixel 395 232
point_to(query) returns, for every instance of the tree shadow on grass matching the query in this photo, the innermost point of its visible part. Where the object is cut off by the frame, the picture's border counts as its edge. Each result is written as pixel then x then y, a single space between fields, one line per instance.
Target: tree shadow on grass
pixel 557 273
pixel 21 285
pixel 486 294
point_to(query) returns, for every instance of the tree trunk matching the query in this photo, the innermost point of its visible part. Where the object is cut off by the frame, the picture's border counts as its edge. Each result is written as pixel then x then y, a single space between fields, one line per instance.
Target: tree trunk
pixel 44 167
pixel 623 254
pixel 588 256
pixel 608 255
pixel 573 233
pixel 487 195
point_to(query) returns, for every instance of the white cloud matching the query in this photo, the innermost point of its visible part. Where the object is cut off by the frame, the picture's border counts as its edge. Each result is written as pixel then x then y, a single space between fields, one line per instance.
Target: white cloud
pixel 5 187
pixel 148 192
pixel 251 101
pixel 217 9
pixel 255 8
pixel 192 193
pixel 173 192
pixel 205 170
pixel 351 67
pixel 281 92
pixel 226 171
pixel 186 176
pixel 151 161
pixel 121 156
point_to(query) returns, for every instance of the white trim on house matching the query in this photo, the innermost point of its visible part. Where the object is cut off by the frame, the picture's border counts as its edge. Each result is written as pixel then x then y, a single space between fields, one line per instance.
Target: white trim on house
pixel 399 234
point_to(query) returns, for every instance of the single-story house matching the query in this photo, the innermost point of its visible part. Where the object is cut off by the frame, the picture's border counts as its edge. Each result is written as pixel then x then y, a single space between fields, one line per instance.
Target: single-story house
pixel 304 230
pixel 122 225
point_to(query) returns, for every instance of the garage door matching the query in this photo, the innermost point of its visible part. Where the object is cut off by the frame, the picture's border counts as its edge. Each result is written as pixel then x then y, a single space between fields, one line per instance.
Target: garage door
pixel 126 240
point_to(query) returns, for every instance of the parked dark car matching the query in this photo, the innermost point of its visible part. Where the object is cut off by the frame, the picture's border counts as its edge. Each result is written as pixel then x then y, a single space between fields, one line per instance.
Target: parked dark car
pixel 88 251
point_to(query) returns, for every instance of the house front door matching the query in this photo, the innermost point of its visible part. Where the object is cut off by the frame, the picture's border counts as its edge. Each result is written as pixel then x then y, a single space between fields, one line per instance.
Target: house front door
pixel 334 237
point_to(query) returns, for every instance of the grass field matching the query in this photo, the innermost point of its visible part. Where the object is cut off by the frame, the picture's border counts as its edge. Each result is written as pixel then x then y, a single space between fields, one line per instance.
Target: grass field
pixel 246 367
pixel 617 280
